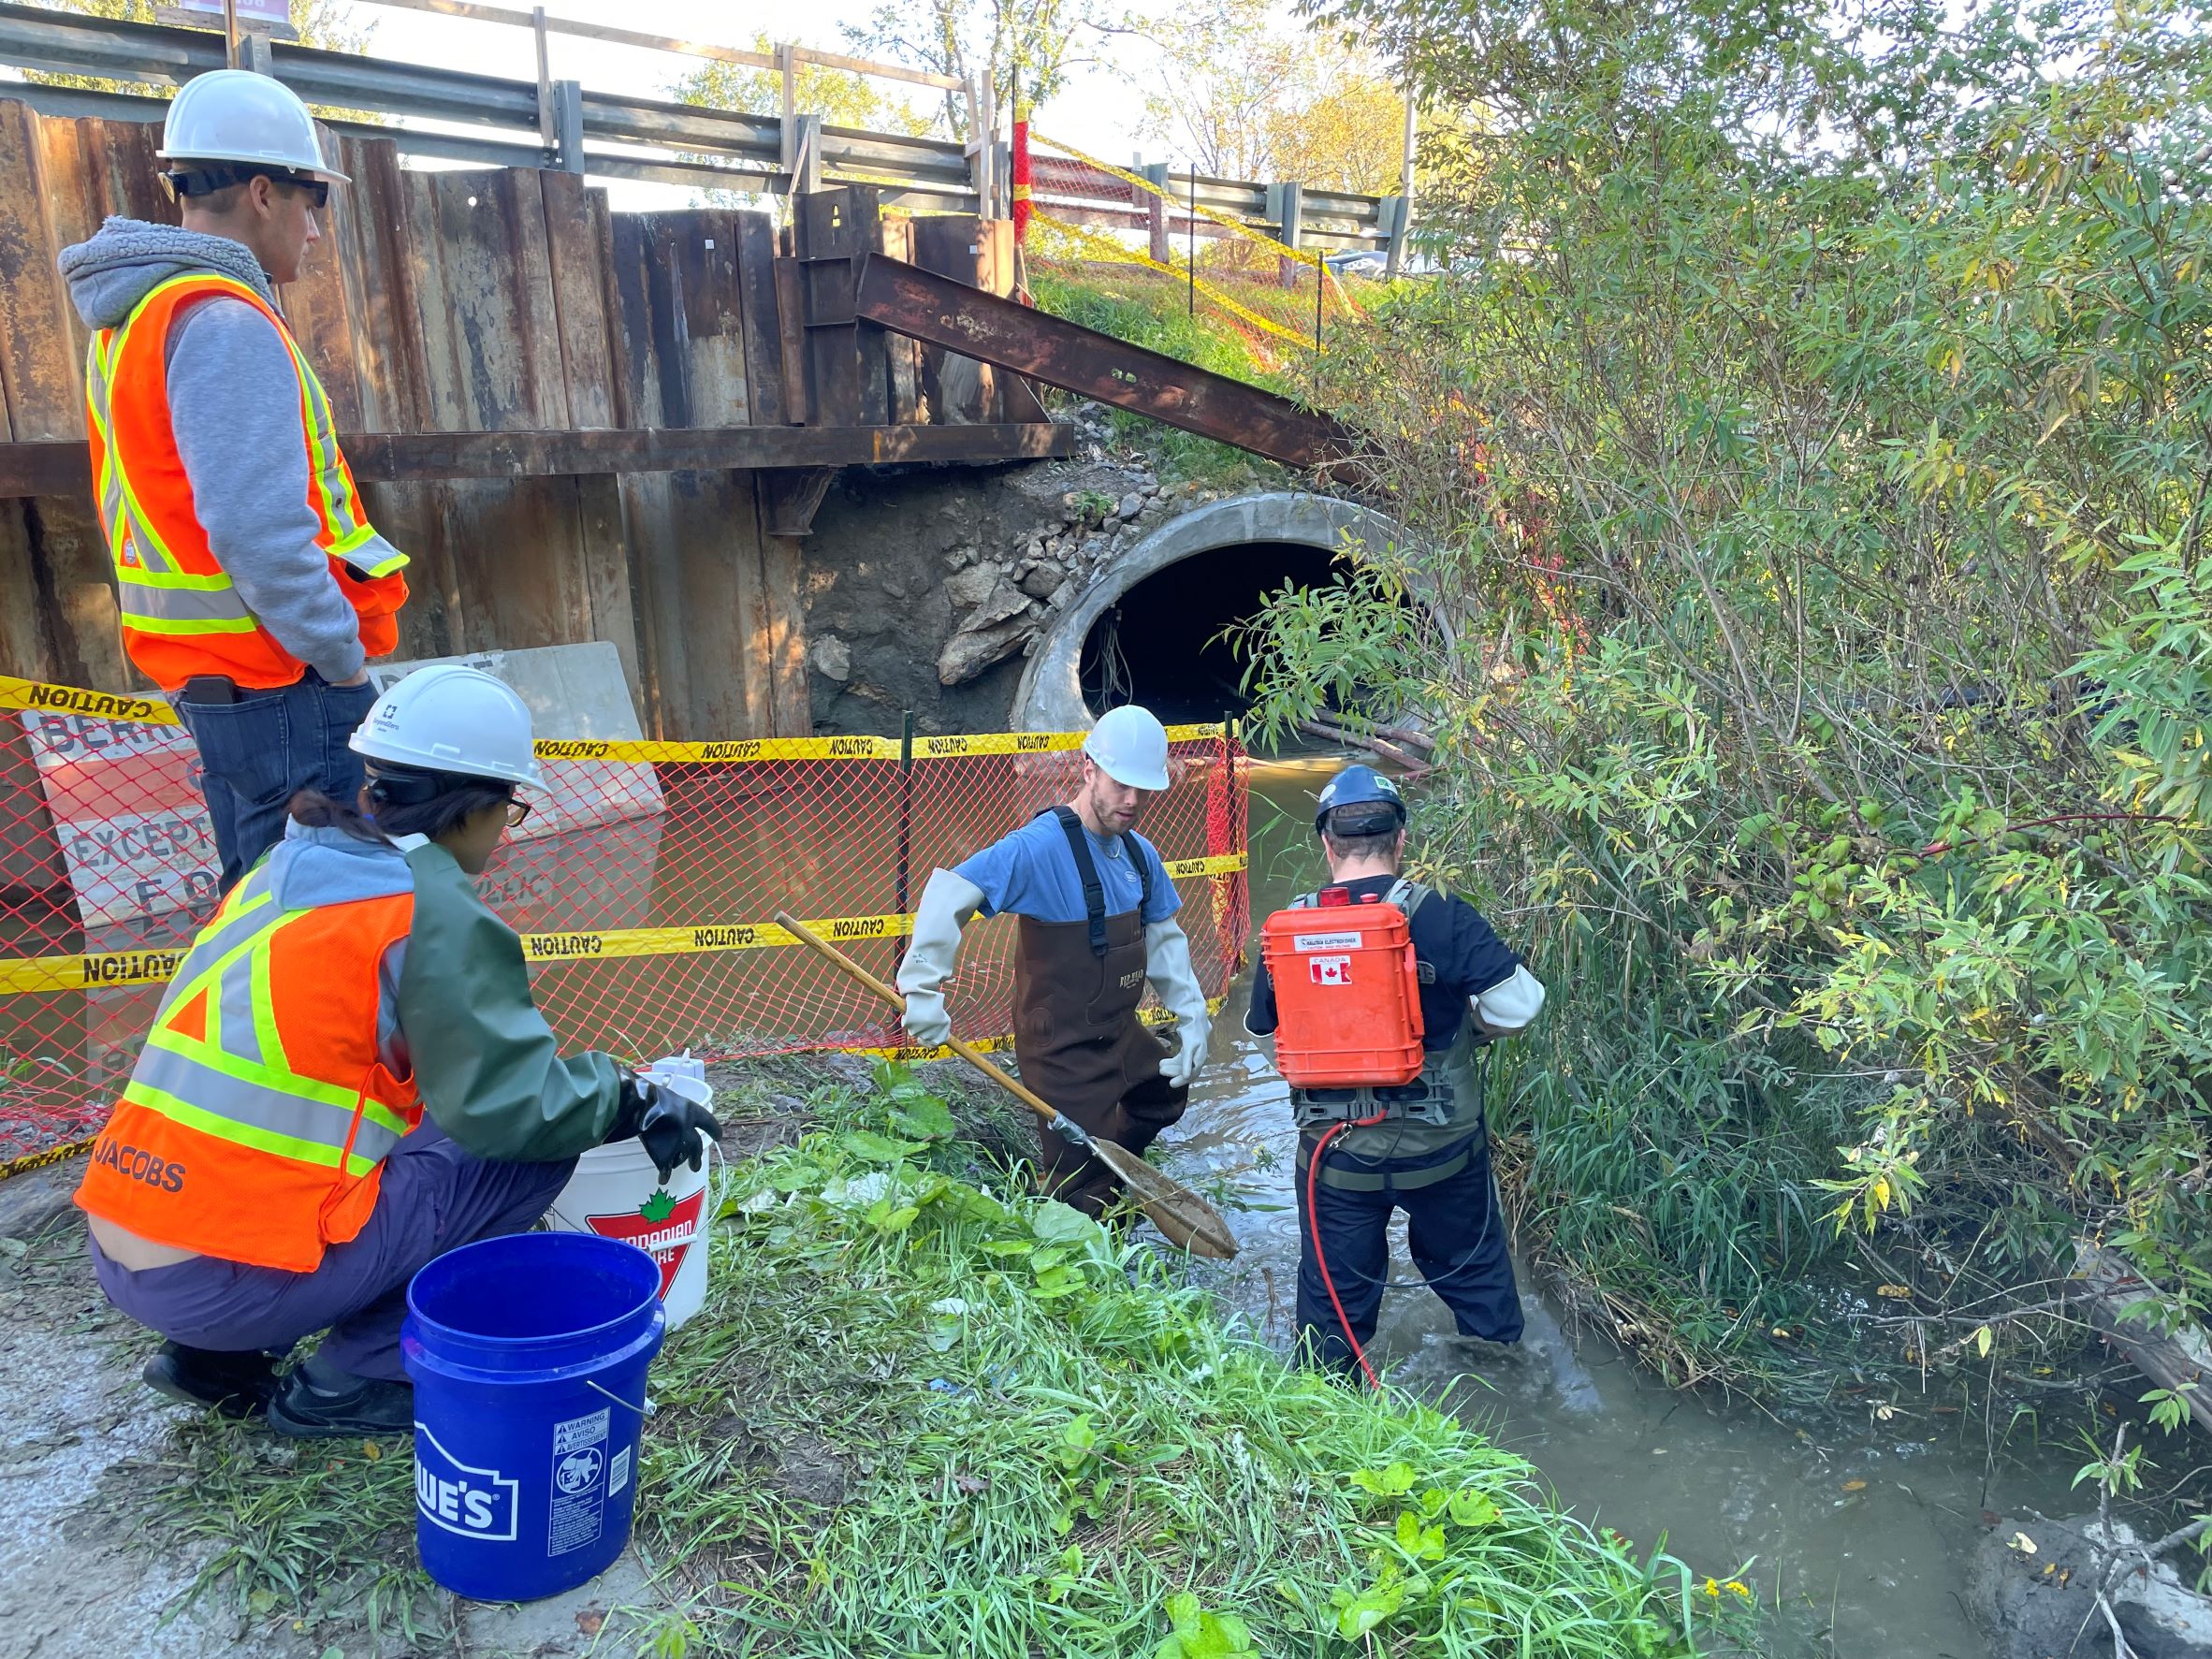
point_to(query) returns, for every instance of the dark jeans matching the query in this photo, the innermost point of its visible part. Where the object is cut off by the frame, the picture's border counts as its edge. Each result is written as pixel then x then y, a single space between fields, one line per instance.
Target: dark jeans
pixel 434 1198
pixel 1454 1230
pixel 257 754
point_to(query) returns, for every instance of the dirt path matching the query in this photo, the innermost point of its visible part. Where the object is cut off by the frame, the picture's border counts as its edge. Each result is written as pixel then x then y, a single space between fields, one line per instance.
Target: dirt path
pixel 75 1580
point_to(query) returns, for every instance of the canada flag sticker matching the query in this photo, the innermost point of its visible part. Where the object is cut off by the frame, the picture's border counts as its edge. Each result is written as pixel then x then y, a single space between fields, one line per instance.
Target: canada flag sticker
pixel 665 1225
pixel 1331 970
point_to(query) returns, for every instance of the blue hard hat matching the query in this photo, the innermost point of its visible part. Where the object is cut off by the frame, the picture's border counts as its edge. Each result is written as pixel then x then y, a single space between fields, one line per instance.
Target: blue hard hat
pixel 1358 786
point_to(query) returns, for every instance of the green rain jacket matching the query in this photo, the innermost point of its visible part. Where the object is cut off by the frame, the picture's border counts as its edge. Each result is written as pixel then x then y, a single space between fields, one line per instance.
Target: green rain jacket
pixel 488 1067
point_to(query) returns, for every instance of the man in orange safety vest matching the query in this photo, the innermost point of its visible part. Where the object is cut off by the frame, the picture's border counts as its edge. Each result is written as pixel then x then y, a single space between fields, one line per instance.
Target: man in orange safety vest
pixel 251 586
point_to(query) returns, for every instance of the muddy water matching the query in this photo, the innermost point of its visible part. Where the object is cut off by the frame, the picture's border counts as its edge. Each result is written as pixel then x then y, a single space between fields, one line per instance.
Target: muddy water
pixel 1853 1532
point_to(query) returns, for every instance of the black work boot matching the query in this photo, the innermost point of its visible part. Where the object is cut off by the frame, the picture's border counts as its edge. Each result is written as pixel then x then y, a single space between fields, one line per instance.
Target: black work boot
pixel 234 1385
pixel 321 1403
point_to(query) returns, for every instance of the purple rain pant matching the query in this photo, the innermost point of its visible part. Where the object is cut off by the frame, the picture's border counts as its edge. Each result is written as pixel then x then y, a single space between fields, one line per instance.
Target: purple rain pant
pixel 434 1198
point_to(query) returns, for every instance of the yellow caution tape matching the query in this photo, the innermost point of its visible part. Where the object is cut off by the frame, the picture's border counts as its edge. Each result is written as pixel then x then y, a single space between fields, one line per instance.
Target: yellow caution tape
pixel 1105 247
pixel 51 1155
pixel 732 751
pixel 143 708
pixel 707 938
pixel 100 971
pixel 153 711
pixel 114 969
pixel 1320 261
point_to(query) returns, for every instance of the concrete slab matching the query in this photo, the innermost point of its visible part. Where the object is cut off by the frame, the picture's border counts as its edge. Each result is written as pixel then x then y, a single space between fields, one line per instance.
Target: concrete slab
pixel 603 1618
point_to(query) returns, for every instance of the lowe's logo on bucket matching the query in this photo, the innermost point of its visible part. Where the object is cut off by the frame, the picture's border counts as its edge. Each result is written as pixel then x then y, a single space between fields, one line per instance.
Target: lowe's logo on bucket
pixel 471 1502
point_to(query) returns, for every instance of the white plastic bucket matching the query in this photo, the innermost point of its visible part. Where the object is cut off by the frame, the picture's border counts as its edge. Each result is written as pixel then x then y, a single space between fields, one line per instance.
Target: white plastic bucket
pixel 617 1194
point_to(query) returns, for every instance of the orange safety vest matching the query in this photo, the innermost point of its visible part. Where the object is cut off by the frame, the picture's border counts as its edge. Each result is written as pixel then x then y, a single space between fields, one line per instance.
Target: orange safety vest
pixel 182 615
pixel 256 1126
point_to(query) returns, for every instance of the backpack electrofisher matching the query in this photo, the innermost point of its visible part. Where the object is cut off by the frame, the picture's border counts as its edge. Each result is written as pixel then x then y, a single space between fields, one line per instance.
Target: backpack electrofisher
pixel 1348 992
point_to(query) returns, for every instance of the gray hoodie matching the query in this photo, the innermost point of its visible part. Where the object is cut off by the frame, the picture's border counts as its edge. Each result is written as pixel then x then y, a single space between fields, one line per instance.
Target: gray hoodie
pixel 234 404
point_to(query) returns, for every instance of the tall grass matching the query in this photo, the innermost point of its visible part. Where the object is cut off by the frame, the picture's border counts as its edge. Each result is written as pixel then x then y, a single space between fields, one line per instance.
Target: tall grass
pixel 1149 310
pixel 1046 1443
pixel 922 1415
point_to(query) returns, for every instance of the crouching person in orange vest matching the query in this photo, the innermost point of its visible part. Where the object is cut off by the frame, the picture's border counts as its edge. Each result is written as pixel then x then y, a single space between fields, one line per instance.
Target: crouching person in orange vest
pixel 348 1077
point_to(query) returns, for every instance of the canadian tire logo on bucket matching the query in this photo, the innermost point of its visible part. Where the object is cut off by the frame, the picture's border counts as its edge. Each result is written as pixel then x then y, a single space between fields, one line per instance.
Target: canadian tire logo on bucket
pixel 665 1225
pixel 463 1499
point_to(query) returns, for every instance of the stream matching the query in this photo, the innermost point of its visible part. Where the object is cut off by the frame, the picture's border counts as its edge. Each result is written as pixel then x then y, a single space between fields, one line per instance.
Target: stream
pixel 1853 1532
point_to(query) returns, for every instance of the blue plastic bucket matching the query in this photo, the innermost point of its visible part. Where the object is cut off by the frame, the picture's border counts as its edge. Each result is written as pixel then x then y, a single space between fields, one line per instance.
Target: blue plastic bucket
pixel 529 1356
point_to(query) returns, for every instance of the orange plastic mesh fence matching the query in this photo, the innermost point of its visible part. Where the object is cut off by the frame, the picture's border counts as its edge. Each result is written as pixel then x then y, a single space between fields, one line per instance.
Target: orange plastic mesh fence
pixel 642 885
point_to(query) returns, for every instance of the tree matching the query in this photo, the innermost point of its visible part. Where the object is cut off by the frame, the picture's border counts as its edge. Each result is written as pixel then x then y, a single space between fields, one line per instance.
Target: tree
pixel 1811 441
pixel 325 23
pixel 840 97
pixel 1034 43
pixel 1246 99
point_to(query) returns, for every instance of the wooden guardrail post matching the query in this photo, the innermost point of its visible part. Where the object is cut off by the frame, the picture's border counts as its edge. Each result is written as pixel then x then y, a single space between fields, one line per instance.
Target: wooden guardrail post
pixel 1156 206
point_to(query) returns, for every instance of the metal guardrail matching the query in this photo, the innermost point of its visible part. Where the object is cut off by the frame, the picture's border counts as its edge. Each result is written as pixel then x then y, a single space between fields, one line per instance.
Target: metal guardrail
pixel 606 135
pixel 560 123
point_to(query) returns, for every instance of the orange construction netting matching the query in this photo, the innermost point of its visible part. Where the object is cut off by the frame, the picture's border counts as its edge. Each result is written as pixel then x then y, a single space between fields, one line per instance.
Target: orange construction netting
pixel 643 885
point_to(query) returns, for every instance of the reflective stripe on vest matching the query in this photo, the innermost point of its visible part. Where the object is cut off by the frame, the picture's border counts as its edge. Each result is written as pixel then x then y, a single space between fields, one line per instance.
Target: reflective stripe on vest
pixel 182 592
pixel 234 1081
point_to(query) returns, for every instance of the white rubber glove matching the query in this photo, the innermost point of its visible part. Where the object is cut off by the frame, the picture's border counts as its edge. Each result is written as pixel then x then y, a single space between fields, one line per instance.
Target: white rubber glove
pixel 1167 965
pixel 947 903
pixel 1509 1007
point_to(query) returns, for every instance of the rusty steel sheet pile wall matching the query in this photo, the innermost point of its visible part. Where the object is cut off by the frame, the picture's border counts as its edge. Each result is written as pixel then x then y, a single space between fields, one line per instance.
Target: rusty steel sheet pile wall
pixel 482 301
pixel 642 885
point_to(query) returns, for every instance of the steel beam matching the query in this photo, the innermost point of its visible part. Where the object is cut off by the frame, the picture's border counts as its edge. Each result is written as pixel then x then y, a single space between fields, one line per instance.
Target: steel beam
pixel 925 306
pixel 62 467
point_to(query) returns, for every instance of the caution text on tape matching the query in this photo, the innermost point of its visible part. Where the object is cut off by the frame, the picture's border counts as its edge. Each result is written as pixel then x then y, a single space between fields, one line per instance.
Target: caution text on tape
pixel 148 709
pixel 110 970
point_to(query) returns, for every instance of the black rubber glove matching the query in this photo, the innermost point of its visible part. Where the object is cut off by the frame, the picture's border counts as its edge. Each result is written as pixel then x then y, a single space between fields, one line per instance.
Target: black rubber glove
pixel 666 1124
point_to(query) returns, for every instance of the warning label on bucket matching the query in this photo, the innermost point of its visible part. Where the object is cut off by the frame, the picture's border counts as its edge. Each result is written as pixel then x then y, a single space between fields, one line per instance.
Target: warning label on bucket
pixel 579 1482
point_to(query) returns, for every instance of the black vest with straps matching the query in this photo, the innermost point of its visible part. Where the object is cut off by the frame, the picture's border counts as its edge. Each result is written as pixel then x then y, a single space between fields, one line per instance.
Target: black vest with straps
pixel 1086 871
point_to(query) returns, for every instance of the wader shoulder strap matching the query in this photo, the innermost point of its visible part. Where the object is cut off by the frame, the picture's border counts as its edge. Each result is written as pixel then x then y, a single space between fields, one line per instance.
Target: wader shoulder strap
pixel 1086 870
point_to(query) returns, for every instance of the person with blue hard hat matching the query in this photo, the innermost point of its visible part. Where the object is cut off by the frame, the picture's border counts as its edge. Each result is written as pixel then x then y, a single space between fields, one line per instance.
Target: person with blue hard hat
pixel 1367 1150
pixel 1098 925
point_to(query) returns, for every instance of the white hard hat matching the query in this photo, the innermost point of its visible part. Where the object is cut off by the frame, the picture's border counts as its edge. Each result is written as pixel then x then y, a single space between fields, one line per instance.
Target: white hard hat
pixel 237 115
pixel 452 718
pixel 1131 747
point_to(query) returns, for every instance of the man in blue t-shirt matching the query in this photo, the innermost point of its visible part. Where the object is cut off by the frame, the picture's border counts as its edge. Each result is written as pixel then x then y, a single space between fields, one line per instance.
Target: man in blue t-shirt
pixel 1097 922
pixel 1420 1147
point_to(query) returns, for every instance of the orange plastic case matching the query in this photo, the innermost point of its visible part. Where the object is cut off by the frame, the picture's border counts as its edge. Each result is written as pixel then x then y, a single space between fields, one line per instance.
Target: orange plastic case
pixel 1347 993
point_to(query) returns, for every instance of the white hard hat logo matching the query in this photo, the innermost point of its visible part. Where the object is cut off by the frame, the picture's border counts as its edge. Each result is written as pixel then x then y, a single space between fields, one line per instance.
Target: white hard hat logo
pixel 452 718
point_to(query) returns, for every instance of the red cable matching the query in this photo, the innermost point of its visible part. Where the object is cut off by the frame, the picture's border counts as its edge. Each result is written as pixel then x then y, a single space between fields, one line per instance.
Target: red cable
pixel 1313 1230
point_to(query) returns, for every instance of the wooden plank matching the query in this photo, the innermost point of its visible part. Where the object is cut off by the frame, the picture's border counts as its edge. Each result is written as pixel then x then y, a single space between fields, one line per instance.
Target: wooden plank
pixel 495 361
pixel 639 399
pixel 41 356
pixel 700 247
pixel 61 467
pixel 391 348
pixel 606 569
pixel 576 237
pixel 763 328
pixel 783 634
